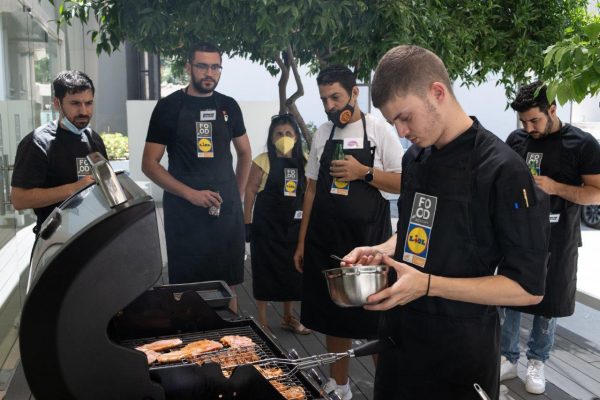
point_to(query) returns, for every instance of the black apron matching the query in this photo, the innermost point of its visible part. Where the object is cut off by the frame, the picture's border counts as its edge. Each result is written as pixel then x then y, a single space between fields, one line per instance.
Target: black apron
pixel 443 347
pixel 275 228
pixel 201 247
pixel 337 225
pixel 565 235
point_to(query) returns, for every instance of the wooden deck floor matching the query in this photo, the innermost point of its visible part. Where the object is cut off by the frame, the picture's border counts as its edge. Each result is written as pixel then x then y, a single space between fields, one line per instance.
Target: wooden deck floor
pixel 572 372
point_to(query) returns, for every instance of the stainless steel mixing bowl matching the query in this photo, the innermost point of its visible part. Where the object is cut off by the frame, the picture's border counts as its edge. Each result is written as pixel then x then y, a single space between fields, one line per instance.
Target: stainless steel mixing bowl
pixel 350 286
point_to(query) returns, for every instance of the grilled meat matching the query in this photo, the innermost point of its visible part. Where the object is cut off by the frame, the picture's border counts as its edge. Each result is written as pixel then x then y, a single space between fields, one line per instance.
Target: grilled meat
pixel 231 358
pixel 270 373
pixel 289 392
pixel 190 350
pixel 235 341
pixel 151 355
pixel 203 346
pixel 161 345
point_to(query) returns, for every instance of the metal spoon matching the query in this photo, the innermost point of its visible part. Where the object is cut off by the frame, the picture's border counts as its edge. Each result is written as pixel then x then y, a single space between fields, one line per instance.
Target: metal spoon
pixel 336 258
pixel 346 263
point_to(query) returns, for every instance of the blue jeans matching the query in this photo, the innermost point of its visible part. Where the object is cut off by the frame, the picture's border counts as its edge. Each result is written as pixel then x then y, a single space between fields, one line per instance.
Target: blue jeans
pixel 541 337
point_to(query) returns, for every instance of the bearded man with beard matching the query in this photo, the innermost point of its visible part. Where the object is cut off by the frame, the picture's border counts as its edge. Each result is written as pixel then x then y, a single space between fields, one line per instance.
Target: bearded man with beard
pixel 204 225
pixel 51 164
pixel 565 162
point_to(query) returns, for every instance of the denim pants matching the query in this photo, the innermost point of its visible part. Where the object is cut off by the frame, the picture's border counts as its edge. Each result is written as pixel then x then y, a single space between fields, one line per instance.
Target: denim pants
pixel 541 337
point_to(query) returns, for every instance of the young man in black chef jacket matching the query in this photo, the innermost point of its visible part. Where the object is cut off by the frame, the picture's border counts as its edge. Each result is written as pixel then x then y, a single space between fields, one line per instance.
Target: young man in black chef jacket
pixel 51 164
pixel 472 234
pixel 204 225
pixel 565 164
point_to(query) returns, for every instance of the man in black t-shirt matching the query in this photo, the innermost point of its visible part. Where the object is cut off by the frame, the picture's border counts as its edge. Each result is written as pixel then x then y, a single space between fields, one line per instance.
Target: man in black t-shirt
pixel 565 163
pixel 204 225
pixel 51 163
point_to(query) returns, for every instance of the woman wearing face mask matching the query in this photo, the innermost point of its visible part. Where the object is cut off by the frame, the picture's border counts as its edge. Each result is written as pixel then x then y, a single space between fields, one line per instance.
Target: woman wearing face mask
pixel 275 190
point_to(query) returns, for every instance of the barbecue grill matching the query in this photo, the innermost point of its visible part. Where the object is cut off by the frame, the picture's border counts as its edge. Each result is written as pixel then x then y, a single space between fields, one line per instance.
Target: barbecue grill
pixel 91 301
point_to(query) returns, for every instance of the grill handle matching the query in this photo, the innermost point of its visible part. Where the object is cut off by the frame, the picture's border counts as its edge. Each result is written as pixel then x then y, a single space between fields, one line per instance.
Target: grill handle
pixel 481 392
pixel 372 347
pixel 107 179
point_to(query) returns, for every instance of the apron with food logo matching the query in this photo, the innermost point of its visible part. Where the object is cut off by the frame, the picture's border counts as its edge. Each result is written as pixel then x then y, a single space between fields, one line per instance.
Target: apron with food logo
pixel 338 223
pixel 202 247
pixel 565 235
pixel 442 346
pixel 275 227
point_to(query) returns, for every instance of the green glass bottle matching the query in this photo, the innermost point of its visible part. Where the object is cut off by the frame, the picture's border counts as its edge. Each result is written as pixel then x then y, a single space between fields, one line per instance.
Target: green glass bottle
pixel 338 153
pixel 533 167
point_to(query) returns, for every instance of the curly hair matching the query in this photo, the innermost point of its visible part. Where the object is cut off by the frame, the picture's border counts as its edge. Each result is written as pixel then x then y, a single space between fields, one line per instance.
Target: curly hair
pixel 71 82
pixel 527 98
pixel 337 73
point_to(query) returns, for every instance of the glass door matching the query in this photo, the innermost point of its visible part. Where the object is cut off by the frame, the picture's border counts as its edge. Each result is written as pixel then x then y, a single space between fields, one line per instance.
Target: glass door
pixel 28 63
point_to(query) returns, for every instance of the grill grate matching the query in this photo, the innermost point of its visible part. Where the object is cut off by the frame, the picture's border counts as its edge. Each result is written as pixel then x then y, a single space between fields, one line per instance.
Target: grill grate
pixel 262 348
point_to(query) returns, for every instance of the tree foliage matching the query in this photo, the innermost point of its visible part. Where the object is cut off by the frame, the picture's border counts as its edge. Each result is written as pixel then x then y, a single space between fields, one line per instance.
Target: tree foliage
pixel 572 65
pixel 473 37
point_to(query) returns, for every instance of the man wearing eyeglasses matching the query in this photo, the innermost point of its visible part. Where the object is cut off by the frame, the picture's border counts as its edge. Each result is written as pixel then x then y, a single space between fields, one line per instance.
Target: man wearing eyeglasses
pixel 204 225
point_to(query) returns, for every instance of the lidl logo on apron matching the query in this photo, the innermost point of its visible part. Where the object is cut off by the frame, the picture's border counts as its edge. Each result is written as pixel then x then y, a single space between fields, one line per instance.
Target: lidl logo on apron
pixel 340 187
pixel 204 140
pixel 534 162
pixel 419 230
pixel 83 167
pixel 291 182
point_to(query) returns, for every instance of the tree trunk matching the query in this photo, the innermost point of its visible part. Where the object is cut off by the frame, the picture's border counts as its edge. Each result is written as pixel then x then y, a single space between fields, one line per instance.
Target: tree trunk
pixel 289 104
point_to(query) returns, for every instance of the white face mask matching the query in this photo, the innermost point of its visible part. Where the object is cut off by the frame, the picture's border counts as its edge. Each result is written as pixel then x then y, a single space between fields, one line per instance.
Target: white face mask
pixel 69 125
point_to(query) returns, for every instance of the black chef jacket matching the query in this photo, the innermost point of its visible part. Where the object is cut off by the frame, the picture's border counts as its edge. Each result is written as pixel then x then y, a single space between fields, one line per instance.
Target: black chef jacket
pixel 463 214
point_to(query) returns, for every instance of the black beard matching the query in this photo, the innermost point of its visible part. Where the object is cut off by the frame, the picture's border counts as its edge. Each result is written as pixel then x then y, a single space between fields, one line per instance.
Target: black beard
pixel 547 129
pixel 200 89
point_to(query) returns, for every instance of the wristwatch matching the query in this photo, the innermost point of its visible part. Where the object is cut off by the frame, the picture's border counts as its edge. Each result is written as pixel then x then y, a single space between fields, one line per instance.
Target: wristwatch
pixel 369 175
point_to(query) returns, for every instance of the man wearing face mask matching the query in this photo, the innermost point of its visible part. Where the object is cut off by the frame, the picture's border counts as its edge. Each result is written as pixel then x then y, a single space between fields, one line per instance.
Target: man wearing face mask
pixel 565 163
pixel 204 226
pixel 342 207
pixel 51 164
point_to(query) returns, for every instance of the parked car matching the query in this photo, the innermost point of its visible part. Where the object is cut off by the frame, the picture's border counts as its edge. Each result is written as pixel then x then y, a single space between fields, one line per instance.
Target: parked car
pixel 590 215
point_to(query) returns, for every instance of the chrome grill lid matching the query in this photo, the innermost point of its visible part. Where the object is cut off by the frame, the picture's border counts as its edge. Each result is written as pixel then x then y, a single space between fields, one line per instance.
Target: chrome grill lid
pixel 82 210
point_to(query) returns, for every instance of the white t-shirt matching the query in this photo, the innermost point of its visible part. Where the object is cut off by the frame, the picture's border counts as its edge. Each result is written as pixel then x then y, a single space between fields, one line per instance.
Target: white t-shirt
pixel 388 150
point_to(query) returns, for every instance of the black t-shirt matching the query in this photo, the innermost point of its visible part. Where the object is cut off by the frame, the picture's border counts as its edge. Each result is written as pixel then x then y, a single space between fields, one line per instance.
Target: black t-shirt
pixel 51 156
pixel 163 122
pixel 580 153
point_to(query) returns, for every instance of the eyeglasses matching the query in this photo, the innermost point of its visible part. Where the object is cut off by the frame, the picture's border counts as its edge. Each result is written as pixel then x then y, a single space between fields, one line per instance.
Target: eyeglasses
pixel 204 67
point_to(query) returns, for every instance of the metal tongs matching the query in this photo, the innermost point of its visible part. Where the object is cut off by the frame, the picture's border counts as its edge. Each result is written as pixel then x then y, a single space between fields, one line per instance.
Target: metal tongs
pixel 367 349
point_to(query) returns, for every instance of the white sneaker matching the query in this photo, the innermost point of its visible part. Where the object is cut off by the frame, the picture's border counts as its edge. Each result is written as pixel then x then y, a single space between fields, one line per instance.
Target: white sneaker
pixel 535 381
pixel 342 391
pixel 508 370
